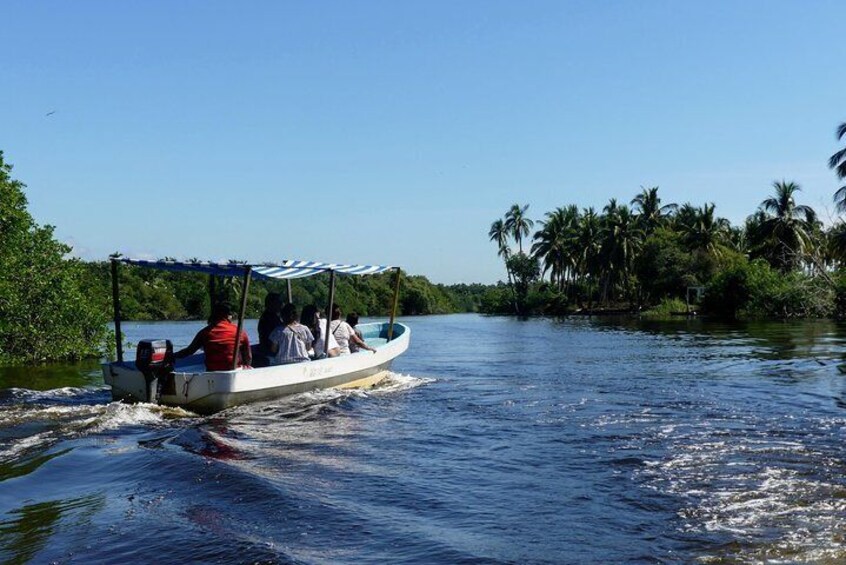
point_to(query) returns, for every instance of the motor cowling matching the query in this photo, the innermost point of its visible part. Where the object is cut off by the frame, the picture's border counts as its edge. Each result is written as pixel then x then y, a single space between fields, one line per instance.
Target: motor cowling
pixel 154 358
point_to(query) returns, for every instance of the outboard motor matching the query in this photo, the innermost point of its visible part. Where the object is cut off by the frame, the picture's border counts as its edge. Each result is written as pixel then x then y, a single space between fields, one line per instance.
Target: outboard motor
pixel 154 358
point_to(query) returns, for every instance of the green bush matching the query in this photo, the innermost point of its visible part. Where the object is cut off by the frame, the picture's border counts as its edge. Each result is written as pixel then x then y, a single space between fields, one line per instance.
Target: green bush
pixel 525 271
pixel 50 309
pixel 666 308
pixel 664 267
pixel 753 289
pixel 498 299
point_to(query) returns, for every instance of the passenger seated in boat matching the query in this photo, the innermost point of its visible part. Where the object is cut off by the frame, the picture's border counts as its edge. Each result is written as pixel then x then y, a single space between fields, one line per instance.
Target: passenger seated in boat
pixel 269 321
pixel 312 320
pixel 352 320
pixel 345 334
pixel 217 340
pixel 290 342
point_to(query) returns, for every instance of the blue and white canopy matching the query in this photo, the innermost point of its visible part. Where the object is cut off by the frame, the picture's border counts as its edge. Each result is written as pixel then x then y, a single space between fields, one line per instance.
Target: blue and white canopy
pixel 288 269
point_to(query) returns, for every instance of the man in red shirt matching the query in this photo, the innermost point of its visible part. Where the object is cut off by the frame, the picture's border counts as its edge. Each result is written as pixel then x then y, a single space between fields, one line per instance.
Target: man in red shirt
pixel 217 340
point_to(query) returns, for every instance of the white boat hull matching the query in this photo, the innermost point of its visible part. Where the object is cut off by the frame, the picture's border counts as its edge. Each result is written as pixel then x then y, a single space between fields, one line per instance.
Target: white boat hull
pixel 197 390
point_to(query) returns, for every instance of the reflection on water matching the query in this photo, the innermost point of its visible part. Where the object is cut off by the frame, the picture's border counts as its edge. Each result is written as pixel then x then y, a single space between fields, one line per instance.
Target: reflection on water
pixel 29 528
pixel 496 440
pixel 45 377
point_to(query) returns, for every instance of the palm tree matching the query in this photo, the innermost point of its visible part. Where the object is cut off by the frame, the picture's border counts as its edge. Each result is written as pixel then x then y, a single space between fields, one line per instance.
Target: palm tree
pixel 650 213
pixel 499 234
pixel 836 243
pixel 786 228
pixel 622 239
pixel 838 163
pixel 702 231
pixel 685 217
pixel 737 239
pixel 588 245
pixel 611 208
pixel 553 247
pixel 518 224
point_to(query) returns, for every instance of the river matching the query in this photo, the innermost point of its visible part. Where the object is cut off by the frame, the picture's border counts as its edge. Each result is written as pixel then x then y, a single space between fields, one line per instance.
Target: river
pixel 495 440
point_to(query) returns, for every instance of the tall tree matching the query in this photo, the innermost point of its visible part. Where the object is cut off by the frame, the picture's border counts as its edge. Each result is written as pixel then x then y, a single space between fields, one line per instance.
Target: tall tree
pixel 785 232
pixel 588 245
pixel 701 229
pixel 836 243
pixel 650 212
pixel 553 244
pixel 838 163
pixel 622 239
pixel 499 234
pixel 518 224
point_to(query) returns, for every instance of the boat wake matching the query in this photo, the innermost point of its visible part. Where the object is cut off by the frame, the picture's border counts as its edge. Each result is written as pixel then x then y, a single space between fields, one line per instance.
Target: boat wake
pixel 34 420
pixel 291 425
pixel 760 498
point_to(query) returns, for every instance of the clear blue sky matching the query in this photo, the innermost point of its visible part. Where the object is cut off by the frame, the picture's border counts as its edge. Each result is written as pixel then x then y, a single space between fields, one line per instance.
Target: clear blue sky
pixel 396 132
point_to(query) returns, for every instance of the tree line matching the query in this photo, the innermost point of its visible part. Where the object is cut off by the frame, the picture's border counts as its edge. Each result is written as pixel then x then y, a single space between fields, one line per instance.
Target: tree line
pixel 151 294
pixel 55 307
pixel 648 254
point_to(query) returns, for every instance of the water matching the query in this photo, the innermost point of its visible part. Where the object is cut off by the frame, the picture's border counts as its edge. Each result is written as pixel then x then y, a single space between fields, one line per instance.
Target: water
pixel 495 440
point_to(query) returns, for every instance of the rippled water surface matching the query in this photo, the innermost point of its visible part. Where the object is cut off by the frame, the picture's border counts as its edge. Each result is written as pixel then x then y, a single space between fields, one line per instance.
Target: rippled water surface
pixel 495 440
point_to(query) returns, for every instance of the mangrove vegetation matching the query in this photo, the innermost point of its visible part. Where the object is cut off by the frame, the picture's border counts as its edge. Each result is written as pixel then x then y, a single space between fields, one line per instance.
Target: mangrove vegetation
pixel 49 305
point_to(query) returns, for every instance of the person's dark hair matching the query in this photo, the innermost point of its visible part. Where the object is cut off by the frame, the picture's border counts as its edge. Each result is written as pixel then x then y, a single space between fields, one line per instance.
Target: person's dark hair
pixel 352 319
pixel 289 313
pixel 220 311
pixel 336 312
pixel 272 301
pixel 309 316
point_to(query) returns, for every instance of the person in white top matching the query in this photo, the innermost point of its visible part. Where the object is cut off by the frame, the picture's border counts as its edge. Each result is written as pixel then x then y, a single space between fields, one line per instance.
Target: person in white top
pixel 345 334
pixel 312 320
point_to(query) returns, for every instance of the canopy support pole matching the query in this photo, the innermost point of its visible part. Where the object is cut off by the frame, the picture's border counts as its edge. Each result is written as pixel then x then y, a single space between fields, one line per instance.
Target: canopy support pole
pixel 244 288
pixel 116 304
pixel 394 304
pixel 290 295
pixel 329 311
pixel 212 293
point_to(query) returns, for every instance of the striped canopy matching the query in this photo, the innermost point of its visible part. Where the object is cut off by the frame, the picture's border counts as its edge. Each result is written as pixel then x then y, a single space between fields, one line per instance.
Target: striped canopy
pixel 289 269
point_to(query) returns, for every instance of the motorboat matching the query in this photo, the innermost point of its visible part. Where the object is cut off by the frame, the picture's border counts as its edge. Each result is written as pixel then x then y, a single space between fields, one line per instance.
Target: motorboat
pixel 190 386
pixel 155 376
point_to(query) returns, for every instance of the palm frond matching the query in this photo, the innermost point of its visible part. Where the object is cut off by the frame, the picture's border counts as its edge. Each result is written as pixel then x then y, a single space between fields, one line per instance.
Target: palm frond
pixel 840 199
pixel 836 161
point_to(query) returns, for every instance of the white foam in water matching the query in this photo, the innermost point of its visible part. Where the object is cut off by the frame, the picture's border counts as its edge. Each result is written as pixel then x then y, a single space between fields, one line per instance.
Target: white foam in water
pixel 765 493
pixel 117 414
pixel 24 444
pixel 397 382
pixel 28 395
pixel 74 421
pixel 392 383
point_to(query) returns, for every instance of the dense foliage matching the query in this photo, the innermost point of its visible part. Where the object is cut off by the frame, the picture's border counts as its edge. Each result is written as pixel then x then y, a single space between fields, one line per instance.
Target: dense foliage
pixel 48 307
pixel 651 256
